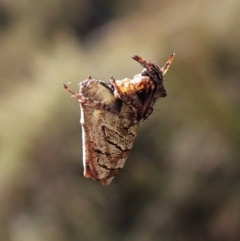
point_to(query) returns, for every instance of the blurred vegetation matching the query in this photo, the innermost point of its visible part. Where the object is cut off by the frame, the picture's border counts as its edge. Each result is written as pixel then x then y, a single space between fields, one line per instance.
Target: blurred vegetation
pixel 182 180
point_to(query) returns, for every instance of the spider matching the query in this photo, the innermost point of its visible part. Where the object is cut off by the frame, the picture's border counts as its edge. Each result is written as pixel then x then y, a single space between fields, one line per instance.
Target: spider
pixel 144 89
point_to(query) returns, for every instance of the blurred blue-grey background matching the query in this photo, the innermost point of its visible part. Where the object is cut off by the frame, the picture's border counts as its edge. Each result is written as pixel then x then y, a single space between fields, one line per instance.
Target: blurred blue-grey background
pixel 182 179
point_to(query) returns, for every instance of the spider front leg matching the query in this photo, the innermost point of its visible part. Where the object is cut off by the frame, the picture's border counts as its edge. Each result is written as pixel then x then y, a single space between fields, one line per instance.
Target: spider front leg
pixel 165 68
pixel 148 113
pixel 90 102
pixel 129 98
pixel 76 95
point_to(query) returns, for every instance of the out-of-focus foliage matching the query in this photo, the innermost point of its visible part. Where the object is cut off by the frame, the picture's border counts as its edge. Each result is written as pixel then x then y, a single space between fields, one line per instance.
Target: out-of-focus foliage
pixel 182 180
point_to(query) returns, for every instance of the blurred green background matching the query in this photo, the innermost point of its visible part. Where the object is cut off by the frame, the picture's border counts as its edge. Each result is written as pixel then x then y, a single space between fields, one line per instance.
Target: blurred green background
pixel 182 179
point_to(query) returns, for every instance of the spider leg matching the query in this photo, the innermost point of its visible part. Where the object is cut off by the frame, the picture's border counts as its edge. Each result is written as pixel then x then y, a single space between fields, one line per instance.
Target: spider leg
pixel 167 64
pixel 90 102
pixel 131 99
pixel 75 94
pixel 143 62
